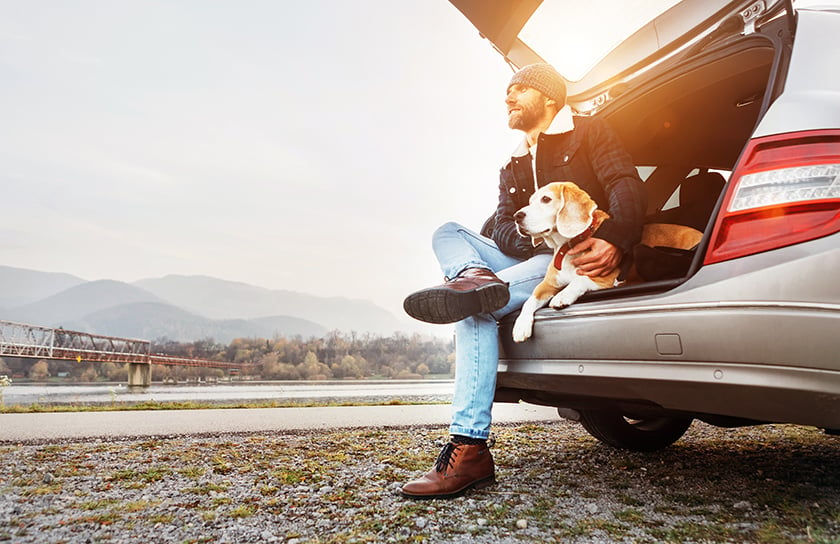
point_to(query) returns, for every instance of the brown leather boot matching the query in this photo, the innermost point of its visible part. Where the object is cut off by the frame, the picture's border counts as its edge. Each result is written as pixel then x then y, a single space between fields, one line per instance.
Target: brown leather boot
pixel 458 468
pixel 473 291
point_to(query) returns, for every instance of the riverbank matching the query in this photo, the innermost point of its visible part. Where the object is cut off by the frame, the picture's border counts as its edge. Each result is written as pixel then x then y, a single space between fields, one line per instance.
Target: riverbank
pixel 115 395
pixel 771 484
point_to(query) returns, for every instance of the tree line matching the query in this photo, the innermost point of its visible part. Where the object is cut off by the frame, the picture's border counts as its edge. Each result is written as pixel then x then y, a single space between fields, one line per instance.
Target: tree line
pixel 334 356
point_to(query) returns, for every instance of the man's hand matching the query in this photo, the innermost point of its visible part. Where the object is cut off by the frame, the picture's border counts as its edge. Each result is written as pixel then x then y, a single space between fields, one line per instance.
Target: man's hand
pixel 595 257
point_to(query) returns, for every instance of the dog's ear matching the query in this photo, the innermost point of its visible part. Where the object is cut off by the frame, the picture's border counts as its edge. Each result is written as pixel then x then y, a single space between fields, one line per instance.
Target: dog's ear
pixel 576 212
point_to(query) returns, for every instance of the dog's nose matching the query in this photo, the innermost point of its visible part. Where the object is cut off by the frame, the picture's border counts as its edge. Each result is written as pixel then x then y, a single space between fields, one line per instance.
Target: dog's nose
pixel 519 216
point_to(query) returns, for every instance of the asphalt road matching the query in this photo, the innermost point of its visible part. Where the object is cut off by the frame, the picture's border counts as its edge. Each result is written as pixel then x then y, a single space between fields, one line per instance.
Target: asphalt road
pixel 51 426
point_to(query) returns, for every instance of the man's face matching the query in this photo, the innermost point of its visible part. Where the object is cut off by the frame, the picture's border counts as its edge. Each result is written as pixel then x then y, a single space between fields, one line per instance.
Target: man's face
pixel 526 107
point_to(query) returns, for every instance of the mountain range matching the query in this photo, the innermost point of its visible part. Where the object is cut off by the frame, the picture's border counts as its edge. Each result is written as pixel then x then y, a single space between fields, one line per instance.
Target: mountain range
pixel 181 308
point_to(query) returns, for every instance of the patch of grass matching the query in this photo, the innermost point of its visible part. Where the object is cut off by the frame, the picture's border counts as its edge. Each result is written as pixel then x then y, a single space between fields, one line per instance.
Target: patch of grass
pixel 242 511
pixel 208 487
pixel 541 509
pixel 408 512
pixel 137 506
pixel 191 472
pixel 221 466
pixel 344 498
pixel 690 531
pixel 630 516
pixel 135 479
pixel 691 499
pixel 162 518
pixel 671 509
pixel 46 489
pixel 410 461
pixel 153 474
pixel 290 476
pixel 629 500
pixel 589 526
pixel 193 405
pixel 23 481
pixel 153 444
pixel 105 518
pixel 208 515
pixel 122 475
pixel 498 511
pixel 266 490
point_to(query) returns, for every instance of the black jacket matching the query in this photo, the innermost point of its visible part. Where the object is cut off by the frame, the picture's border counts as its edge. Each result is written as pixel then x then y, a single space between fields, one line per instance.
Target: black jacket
pixel 591 156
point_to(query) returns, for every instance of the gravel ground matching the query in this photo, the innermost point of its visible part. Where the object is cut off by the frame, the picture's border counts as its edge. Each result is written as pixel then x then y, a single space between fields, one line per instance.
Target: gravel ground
pixel 556 484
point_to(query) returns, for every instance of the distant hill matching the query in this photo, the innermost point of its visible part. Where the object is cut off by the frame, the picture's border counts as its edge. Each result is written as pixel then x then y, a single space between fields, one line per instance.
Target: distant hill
pixel 78 301
pixel 221 299
pixel 19 286
pixel 182 308
pixel 152 321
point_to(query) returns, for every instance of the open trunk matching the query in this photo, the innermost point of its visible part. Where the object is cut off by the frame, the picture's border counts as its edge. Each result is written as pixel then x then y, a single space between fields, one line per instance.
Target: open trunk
pixel 684 91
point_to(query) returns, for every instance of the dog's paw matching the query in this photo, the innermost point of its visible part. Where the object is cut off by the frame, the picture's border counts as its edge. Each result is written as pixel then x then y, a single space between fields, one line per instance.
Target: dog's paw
pixel 559 301
pixel 522 329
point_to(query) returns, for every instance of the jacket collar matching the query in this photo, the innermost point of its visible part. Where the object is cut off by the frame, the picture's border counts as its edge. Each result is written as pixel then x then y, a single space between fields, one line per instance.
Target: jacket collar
pixel 562 123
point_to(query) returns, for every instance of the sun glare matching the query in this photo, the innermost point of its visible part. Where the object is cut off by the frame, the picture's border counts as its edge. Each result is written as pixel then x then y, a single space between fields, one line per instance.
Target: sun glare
pixel 574 36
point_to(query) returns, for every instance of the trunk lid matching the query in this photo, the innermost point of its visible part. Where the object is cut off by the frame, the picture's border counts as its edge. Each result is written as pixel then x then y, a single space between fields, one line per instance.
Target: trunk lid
pixel 611 41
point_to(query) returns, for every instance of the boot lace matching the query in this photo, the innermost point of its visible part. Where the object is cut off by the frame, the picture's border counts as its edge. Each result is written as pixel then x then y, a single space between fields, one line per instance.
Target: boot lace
pixel 444 459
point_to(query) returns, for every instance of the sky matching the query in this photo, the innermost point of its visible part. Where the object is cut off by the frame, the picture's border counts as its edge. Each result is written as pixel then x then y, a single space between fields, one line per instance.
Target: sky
pixel 308 146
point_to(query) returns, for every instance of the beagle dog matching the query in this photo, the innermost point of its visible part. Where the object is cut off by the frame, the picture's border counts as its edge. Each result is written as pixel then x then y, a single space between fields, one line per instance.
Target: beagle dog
pixel 562 215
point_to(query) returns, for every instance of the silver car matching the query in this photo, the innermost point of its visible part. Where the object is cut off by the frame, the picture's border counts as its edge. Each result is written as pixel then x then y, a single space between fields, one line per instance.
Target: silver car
pixel 731 111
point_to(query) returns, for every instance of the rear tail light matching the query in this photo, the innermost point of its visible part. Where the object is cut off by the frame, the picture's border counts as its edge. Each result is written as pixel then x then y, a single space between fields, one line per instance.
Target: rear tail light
pixel 785 190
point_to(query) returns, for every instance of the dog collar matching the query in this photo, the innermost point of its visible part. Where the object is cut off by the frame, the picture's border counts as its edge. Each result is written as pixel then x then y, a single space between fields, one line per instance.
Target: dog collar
pixel 564 249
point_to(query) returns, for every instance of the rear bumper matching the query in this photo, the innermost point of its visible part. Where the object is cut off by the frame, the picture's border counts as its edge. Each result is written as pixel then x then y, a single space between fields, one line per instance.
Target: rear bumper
pixel 762 393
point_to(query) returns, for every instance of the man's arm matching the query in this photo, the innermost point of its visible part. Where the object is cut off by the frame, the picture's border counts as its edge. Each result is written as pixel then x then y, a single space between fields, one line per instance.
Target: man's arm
pixel 625 191
pixel 627 199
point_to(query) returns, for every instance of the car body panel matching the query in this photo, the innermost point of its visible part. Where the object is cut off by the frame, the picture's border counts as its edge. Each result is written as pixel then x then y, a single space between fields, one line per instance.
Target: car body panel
pixel 811 97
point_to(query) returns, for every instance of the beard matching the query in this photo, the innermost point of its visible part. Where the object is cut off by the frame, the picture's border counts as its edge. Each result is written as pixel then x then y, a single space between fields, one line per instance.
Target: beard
pixel 527 117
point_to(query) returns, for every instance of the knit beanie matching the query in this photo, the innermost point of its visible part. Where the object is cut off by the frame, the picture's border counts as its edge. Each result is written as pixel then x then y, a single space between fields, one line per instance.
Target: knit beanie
pixel 544 78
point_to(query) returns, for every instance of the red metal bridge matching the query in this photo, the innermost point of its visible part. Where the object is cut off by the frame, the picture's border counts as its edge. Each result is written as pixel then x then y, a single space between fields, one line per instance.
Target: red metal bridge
pixel 32 341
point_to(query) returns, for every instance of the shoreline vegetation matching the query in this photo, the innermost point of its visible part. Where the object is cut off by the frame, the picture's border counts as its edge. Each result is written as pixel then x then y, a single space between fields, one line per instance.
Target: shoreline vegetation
pixel 336 356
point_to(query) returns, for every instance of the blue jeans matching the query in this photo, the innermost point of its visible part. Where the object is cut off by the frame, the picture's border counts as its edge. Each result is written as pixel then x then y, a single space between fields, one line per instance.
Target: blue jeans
pixel 477 338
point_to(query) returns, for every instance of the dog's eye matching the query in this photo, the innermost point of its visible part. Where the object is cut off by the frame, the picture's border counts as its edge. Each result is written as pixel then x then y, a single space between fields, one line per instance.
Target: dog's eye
pixel 545 199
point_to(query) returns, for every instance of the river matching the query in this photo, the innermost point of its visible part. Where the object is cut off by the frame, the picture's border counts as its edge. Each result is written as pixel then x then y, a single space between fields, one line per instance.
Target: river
pixel 228 392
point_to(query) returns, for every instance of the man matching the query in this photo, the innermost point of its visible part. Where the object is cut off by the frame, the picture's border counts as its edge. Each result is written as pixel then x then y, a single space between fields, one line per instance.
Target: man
pixel 489 277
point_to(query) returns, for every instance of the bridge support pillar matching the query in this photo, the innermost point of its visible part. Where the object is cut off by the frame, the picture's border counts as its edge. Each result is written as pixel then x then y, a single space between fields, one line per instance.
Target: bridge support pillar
pixel 139 374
